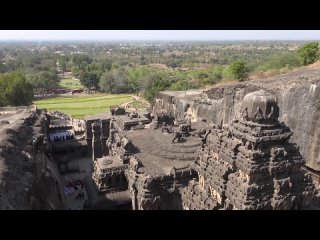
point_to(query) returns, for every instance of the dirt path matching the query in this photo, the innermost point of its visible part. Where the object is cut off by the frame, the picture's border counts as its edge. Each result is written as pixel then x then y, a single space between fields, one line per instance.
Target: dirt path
pixel 135 98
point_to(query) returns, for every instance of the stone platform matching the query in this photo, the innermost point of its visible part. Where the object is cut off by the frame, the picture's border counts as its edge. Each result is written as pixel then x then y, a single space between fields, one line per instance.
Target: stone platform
pixel 157 152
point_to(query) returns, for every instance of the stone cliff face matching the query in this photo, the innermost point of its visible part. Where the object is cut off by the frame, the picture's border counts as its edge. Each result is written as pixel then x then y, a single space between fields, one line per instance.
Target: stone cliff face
pixel 29 179
pixel 298 95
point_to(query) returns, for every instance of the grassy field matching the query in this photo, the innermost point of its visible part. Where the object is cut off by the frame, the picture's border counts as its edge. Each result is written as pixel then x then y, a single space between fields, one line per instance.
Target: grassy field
pixel 70 84
pixel 81 106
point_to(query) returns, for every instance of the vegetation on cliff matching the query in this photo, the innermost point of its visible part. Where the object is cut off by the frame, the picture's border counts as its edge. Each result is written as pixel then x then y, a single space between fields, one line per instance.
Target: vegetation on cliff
pixel 309 53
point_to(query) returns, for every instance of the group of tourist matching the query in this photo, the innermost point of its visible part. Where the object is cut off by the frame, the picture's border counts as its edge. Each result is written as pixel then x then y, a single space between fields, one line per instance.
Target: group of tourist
pixel 63 138
pixel 61 135
pixel 72 187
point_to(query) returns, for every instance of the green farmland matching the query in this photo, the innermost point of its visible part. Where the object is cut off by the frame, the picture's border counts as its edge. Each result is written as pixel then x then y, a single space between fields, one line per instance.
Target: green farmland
pixel 70 84
pixel 81 106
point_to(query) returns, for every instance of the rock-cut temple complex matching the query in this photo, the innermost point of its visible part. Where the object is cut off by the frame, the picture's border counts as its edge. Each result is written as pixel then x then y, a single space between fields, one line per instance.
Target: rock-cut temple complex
pixel 249 163
pixel 236 146
pixel 154 161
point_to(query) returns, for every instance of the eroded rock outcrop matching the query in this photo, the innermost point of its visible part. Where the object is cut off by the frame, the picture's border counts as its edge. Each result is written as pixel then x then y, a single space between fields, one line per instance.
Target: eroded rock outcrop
pixel 29 179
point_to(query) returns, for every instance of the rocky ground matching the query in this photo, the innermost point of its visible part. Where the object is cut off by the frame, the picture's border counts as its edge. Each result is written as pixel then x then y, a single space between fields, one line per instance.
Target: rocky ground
pixel 28 177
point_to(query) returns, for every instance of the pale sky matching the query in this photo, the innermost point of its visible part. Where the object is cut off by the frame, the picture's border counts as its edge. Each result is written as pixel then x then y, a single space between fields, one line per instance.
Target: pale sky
pixel 159 35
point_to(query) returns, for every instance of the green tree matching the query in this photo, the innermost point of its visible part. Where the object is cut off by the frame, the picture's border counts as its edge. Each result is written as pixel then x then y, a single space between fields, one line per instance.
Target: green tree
pixel 239 70
pixel 105 65
pixel 15 90
pixel 308 53
pixel 89 79
pixel 135 76
pixel 44 80
pixel 2 67
pixel 115 81
pixel 63 63
pixel 154 83
pixel 81 60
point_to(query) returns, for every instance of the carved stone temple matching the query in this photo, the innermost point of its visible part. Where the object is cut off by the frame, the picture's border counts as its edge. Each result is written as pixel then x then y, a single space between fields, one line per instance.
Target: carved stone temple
pixel 158 162
pixel 250 163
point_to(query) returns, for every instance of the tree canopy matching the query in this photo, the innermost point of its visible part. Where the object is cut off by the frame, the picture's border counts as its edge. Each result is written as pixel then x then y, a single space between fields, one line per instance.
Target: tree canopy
pixel 15 90
pixel 115 81
pixel 89 79
pixel 239 70
pixel 308 53
pixel 43 80
pixel 154 83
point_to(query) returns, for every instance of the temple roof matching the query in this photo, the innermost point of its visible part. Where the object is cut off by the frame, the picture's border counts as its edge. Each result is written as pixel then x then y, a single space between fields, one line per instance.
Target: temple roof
pixel 108 162
pixel 260 107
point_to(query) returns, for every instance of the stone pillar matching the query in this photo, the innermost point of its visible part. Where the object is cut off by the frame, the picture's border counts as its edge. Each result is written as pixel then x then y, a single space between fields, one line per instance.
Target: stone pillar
pixel 96 141
pixel 105 127
pixel 88 132
pixel 88 135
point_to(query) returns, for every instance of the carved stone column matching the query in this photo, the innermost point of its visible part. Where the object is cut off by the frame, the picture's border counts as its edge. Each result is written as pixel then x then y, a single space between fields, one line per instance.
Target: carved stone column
pixel 96 141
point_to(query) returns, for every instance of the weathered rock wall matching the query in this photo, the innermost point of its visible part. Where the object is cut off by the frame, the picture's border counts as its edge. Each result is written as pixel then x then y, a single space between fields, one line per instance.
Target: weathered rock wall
pixel 29 179
pixel 298 95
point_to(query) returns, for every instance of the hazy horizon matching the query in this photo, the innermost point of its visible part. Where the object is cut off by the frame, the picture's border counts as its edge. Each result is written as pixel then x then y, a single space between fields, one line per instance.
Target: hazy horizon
pixel 159 35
